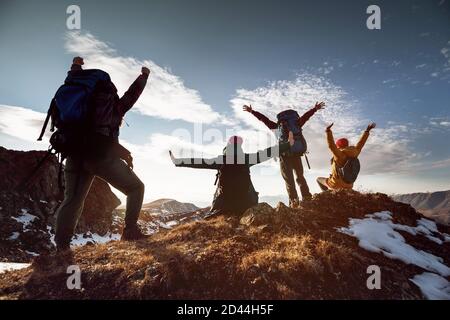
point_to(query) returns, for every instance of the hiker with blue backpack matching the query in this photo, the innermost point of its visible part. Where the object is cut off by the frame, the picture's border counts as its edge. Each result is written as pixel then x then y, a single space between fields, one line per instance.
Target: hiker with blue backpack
pixel 345 165
pixel 87 113
pixel 291 162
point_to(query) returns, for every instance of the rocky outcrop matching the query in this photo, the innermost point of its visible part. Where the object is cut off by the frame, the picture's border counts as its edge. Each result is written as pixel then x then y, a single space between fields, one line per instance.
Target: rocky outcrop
pixel 27 214
pixel 320 251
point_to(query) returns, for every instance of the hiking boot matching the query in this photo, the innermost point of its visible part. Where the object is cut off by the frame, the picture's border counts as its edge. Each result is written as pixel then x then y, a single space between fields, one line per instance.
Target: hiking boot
pixel 132 234
pixel 294 204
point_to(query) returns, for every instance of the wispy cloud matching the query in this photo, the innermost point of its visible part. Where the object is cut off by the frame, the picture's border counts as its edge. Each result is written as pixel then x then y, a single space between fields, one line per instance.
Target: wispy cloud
pixel 21 123
pixel 165 97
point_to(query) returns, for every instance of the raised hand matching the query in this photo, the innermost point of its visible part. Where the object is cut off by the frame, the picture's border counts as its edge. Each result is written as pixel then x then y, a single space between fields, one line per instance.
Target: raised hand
pixel 319 106
pixel 330 126
pixel 145 71
pixel 371 126
pixel 247 108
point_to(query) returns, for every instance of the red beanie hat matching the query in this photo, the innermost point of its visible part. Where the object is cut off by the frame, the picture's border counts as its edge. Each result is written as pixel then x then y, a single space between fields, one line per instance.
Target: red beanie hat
pixel 342 143
pixel 235 140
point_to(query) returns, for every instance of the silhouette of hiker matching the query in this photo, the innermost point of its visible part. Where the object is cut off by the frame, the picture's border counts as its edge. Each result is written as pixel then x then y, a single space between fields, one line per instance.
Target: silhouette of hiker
pixel 235 192
pixel 291 162
pixel 344 164
pixel 101 156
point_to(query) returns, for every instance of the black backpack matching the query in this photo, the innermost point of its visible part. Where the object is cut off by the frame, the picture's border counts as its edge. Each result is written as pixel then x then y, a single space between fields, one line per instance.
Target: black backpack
pixel 350 171
pixel 288 121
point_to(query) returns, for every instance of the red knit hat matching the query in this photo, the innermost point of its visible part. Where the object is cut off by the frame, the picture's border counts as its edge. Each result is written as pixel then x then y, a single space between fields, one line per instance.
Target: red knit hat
pixel 342 143
pixel 235 140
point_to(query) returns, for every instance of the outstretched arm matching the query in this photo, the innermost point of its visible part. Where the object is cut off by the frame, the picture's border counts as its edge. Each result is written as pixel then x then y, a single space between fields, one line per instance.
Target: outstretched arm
pixel 269 123
pixel 197 163
pixel 331 144
pixel 134 92
pixel 362 141
pixel 266 154
pixel 308 114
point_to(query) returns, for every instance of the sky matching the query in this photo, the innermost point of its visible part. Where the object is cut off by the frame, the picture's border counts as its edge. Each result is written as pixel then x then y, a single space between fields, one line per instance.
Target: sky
pixel 208 58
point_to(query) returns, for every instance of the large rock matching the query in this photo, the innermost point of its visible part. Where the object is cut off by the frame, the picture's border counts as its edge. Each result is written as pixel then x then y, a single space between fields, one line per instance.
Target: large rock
pixel 261 214
pixel 27 215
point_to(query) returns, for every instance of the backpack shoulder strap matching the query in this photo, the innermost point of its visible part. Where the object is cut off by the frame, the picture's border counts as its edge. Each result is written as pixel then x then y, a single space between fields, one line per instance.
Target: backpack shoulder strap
pixel 49 114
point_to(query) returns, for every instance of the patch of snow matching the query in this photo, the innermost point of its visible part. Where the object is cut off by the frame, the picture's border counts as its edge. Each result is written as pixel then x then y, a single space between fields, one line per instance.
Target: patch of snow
pixel 51 235
pixel 172 223
pixel 8 266
pixel 14 236
pixel 31 253
pixel 376 233
pixel 433 286
pixel 25 218
pixel 82 239
pixel 43 201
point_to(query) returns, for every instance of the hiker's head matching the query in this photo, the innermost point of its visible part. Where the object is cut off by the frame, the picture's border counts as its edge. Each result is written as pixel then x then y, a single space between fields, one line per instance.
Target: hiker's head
pixel 78 61
pixel 342 143
pixel 235 140
pixel 234 145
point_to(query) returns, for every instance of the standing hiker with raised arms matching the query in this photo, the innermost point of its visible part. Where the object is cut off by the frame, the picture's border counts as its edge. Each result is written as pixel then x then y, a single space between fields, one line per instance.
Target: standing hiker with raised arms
pixel 289 120
pixel 88 135
pixel 345 164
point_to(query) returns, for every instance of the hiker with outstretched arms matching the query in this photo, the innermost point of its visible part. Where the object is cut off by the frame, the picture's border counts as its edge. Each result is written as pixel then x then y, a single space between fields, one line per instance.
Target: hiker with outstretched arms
pixel 291 162
pixel 235 192
pixel 88 112
pixel 345 165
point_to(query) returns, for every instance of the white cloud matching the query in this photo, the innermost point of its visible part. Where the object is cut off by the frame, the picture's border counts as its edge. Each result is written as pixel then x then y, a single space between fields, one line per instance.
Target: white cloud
pixel 21 122
pixel 165 96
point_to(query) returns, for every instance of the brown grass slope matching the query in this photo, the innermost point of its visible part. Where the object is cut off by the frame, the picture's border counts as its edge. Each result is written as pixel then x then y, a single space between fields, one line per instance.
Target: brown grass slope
pixel 277 254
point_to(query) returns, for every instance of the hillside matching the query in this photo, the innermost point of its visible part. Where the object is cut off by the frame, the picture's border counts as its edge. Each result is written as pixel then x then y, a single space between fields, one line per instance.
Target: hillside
pixel 435 205
pixel 27 215
pixel 320 251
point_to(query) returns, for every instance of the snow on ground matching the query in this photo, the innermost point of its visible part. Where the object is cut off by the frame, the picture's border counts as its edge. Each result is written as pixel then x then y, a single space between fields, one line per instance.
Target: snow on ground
pixel 377 233
pixel 82 239
pixel 433 286
pixel 25 218
pixel 14 236
pixel 8 266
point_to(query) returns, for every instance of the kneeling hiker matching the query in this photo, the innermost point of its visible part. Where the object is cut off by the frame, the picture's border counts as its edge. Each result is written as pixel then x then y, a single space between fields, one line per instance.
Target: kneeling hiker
pixel 290 162
pixel 345 165
pixel 87 113
pixel 235 192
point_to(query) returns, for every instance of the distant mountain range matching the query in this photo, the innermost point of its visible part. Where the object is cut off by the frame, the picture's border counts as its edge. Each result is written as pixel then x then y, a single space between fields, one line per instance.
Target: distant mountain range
pixel 435 205
pixel 168 206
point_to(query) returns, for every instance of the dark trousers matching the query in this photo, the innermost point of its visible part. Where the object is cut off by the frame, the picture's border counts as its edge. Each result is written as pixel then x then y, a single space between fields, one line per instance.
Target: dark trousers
pixel 290 164
pixel 78 179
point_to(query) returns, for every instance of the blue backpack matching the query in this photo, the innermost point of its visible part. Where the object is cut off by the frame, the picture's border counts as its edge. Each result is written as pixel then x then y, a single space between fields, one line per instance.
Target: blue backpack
pixel 350 171
pixel 69 109
pixel 288 121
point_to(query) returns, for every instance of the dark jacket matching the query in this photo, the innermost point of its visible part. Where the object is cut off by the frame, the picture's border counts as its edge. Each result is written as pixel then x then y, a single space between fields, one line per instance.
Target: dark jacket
pixel 235 192
pixel 273 125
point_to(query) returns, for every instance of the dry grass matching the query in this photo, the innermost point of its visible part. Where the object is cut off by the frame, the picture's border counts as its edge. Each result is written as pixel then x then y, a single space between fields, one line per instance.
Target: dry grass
pixel 298 255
